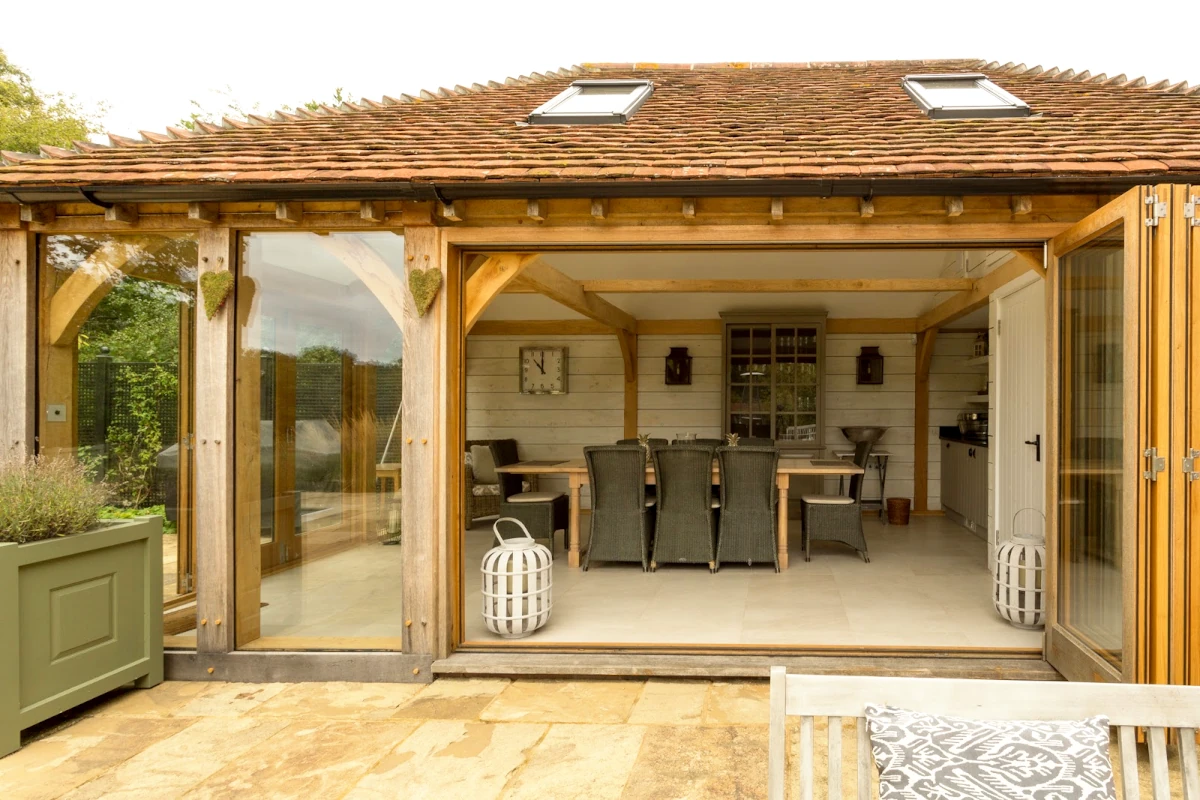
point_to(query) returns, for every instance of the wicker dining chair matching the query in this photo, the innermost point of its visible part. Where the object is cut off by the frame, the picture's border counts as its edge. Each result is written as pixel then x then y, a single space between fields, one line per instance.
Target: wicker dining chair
pixel 837 518
pixel 543 513
pixel 622 513
pixel 748 522
pixel 685 527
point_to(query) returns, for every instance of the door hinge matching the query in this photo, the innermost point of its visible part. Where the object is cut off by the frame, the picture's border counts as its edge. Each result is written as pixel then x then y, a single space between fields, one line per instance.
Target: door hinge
pixel 1157 464
pixel 1157 211
pixel 1189 210
pixel 1189 465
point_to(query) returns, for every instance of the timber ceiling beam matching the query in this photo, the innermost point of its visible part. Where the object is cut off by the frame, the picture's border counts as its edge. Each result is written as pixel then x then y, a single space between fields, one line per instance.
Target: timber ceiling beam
pixel 977 296
pixel 548 281
pixel 637 286
pixel 489 280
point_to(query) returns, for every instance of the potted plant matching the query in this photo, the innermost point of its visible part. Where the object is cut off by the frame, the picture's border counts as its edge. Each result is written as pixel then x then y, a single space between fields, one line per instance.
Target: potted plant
pixel 80 599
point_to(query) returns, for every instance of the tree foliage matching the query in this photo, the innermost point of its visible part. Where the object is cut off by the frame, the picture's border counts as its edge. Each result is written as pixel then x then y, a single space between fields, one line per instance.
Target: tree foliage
pixel 29 118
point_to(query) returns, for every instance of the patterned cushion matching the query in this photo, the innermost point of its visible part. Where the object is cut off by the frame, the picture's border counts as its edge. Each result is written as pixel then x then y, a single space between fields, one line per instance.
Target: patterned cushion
pixel 930 756
pixel 486 490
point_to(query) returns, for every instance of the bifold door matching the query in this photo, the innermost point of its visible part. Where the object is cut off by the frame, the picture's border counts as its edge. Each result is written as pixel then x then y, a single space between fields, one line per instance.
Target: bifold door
pixel 1121 556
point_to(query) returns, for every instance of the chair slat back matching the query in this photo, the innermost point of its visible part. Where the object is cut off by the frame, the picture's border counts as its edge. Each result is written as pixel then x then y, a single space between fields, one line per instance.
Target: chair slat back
pixel 1157 708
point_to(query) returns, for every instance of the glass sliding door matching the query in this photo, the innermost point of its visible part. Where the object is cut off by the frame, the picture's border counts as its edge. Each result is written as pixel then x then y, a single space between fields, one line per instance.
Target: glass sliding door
pixel 318 468
pixel 115 365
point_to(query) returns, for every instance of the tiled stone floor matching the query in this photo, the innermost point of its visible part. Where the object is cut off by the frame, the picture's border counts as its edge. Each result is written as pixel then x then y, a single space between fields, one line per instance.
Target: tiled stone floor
pixel 927 584
pixel 470 739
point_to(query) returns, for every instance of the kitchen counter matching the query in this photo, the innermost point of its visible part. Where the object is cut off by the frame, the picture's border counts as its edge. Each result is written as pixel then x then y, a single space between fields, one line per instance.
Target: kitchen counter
pixel 950 433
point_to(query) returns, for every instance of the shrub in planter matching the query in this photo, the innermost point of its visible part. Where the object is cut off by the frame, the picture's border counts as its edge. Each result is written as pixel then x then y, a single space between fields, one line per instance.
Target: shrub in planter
pixel 80 599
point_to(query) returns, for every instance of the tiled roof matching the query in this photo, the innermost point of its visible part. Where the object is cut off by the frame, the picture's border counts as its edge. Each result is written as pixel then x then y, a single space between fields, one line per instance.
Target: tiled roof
pixel 704 122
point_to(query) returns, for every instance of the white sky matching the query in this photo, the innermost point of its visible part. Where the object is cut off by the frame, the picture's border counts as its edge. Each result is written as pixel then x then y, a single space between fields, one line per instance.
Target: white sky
pixel 146 61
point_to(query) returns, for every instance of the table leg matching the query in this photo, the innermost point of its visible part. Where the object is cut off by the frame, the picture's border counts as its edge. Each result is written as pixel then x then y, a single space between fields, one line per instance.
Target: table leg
pixel 575 481
pixel 782 483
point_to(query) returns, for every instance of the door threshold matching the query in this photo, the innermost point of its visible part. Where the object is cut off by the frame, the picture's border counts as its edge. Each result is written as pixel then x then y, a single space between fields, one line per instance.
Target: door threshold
pixel 650 665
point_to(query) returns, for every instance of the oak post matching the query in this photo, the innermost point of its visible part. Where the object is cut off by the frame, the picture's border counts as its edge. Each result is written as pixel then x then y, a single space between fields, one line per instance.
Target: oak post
pixel 925 342
pixel 421 513
pixel 18 338
pixel 214 452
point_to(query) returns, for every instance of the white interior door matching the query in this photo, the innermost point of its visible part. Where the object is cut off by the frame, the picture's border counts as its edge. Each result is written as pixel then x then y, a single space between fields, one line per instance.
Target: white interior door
pixel 1019 432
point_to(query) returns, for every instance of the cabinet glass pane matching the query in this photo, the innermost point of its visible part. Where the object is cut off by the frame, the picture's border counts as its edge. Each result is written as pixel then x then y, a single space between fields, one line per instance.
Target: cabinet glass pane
pixel 761 399
pixel 806 343
pixel 739 370
pixel 785 398
pixel 806 398
pixel 739 340
pixel 761 341
pixel 807 427
pixel 806 371
pixel 761 427
pixel 785 372
pixel 739 424
pixel 785 341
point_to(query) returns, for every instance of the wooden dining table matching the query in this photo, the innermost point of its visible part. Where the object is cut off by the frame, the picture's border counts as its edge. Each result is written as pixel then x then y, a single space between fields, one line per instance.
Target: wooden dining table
pixel 577 476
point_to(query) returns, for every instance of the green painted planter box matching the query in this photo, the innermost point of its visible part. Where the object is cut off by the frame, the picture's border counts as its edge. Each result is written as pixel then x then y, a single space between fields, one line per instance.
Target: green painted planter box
pixel 79 616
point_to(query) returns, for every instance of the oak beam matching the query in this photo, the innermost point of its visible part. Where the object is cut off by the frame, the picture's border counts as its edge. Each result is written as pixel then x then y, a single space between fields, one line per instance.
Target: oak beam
pixel 533 210
pixel 752 286
pixel 203 212
pixel 563 290
pixel 371 211
pixel 214 456
pixel 674 327
pixel 290 213
pixel 18 342
pixel 629 355
pixel 121 212
pixel 954 206
pixel 777 209
pixel 925 342
pixel 370 268
pixel 1022 204
pixel 866 207
pixel 600 207
pixel 689 208
pixel 489 280
pixel 43 214
pixel 977 296
pixel 450 212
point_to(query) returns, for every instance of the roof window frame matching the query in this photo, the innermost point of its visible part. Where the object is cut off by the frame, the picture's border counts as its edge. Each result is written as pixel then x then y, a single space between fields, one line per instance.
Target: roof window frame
pixel 914 86
pixel 546 115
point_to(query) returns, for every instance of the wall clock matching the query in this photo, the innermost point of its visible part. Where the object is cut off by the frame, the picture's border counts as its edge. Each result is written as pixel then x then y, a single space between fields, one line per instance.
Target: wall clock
pixel 543 370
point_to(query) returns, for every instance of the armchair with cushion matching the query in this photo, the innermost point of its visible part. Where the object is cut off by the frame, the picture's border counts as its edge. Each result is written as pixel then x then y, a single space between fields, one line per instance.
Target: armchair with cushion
pixel 482 484
pixel 543 513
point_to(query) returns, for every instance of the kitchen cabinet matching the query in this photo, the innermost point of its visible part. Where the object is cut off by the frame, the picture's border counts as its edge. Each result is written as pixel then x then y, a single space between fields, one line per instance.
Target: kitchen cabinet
pixel 964 484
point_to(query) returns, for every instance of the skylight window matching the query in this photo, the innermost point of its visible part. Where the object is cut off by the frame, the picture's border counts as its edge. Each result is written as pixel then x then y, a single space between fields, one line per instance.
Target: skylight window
pixel 594 103
pixel 962 96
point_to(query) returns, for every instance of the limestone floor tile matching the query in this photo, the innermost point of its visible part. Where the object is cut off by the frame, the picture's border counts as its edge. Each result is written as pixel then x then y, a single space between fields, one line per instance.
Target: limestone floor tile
pixel 698 762
pixel 564 701
pixel 737 703
pixel 58 763
pixel 161 701
pixel 170 767
pixel 338 700
pixel 450 759
pixel 230 699
pixel 308 758
pixel 578 761
pixel 452 698
pixel 670 703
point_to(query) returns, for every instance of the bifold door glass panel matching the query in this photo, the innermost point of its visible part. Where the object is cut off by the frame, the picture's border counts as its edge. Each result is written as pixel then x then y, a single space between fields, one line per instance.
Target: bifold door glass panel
pixel 116 381
pixel 962 96
pixel 319 437
pixel 594 102
pixel 1092 314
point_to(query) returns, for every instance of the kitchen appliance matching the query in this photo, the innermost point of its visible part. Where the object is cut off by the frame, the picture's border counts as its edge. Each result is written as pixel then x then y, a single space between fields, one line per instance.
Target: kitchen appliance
pixel 973 423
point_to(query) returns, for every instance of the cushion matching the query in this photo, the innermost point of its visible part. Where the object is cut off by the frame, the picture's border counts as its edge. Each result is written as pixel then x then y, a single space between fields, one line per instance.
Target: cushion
pixel 950 758
pixel 486 490
pixel 650 501
pixel 827 499
pixel 534 497
pixel 483 466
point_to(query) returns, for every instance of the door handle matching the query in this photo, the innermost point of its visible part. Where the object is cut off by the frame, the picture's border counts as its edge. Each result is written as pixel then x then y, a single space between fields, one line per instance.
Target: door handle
pixel 1037 444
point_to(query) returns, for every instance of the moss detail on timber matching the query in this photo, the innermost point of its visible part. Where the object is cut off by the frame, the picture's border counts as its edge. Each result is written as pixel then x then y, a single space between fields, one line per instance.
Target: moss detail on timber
pixel 424 285
pixel 216 287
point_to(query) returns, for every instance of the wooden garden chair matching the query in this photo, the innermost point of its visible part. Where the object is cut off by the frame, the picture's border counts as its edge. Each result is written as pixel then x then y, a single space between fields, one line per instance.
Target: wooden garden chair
pixel 1127 706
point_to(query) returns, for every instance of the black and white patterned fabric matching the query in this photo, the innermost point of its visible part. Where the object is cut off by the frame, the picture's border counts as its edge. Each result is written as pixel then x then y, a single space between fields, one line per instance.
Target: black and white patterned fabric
pixel 931 757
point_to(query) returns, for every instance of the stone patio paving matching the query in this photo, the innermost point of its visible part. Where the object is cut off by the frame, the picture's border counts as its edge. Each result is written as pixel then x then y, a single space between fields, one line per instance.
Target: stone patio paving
pixel 472 739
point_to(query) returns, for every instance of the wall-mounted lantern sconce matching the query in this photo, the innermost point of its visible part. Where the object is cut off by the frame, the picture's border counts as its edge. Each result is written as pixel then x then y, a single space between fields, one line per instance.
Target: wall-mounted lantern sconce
pixel 870 367
pixel 679 367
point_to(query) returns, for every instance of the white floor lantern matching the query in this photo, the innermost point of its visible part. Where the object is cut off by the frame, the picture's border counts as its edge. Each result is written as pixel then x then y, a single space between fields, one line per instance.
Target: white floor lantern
pixel 1019 578
pixel 516 584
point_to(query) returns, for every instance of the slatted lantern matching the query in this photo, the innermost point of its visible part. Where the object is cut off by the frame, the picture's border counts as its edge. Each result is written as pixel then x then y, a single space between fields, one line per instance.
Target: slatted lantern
pixel 516 584
pixel 1018 579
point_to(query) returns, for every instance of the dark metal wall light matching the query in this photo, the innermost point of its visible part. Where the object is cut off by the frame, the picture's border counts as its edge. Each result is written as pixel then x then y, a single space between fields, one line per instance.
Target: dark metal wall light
pixel 870 367
pixel 679 367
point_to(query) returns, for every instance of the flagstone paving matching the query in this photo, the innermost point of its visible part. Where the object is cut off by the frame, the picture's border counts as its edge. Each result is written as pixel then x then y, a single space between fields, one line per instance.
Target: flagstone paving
pixel 471 739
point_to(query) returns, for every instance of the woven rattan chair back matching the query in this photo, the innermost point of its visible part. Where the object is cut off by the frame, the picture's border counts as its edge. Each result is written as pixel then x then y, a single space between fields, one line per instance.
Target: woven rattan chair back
pixel 748 521
pixel 504 452
pixel 685 529
pixel 862 454
pixel 617 477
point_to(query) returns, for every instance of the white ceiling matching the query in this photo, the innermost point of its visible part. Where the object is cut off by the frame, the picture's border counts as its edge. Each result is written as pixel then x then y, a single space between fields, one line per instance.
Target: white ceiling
pixel 760 265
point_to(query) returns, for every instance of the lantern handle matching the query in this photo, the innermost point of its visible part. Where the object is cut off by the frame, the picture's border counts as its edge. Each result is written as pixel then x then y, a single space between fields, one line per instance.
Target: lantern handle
pixel 1036 511
pixel 496 528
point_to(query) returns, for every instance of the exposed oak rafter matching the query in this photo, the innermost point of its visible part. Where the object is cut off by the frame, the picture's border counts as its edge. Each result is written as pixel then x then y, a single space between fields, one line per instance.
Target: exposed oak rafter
pixel 637 286
pixel 489 280
pixel 562 289
pixel 977 296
